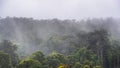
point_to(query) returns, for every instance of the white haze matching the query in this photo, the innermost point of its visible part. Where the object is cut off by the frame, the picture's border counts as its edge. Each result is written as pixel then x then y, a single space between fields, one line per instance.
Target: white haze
pixel 62 9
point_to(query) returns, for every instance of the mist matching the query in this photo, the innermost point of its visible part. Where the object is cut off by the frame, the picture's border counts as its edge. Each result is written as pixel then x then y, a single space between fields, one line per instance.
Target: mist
pixel 60 33
pixel 32 23
pixel 62 9
pixel 31 35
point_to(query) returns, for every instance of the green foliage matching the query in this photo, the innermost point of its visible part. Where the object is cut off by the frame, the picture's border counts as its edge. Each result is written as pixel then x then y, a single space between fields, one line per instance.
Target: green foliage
pixel 71 59
pixel 97 67
pixel 7 46
pixel 40 57
pixel 77 65
pixel 58 56
pixel 53 62
pixel 5 61
pixel 29 63
pixel 86 66
pixel 85 49
pixel 55 59
pixel 87 62
pixel 84 54
pixel 10 48
pixel 61 67
pixel 58 43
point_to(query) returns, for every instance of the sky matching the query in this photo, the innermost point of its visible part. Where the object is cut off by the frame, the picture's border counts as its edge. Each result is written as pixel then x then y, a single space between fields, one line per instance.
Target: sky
pixel 62 9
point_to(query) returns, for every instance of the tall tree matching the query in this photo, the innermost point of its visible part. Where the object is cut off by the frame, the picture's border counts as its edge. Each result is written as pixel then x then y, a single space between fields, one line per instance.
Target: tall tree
pixel 10 48
pixel 98 41
pixel 40 57
pixel 5 61
pixel 55 59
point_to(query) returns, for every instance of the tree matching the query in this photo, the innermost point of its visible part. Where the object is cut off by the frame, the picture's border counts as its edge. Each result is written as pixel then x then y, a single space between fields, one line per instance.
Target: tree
pixel 114 54
pixel 40 57
pixel 98 41
pixel 84 54
pixel 29 63
pixel 97 67
pixel 5 61
pixel 55 59
pixel 86 66
pixel 77 65
pixel 58 56
pixel 53 63
pixel 10 48
pixel 71 59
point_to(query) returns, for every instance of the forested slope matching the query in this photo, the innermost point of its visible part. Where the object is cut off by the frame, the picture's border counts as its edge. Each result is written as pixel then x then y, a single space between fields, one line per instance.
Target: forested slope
pixel 52 42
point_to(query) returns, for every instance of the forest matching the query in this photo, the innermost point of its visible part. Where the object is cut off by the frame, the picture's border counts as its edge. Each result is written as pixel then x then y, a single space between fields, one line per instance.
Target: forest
pixel 55 43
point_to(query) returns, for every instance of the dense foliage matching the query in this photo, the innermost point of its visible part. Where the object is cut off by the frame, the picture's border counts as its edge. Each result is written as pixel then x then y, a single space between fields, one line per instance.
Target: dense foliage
pixel 5 61
pixel 29 63
pixel 95 47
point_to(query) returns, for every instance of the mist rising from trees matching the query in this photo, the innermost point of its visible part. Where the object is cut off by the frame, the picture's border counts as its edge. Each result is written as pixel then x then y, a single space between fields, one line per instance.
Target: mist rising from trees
pixel 32 35
pixel 51 42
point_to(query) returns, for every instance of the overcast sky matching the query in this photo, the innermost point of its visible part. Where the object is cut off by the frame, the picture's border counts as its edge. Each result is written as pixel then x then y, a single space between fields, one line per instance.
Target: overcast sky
pixel 62 9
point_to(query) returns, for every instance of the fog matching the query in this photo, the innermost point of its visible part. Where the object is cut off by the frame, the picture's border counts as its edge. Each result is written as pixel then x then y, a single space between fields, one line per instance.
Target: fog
pixel 31 22
pixel 60 33
pixel 47 35
pixel 62 9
